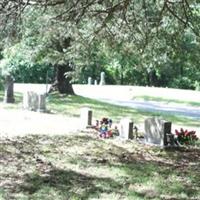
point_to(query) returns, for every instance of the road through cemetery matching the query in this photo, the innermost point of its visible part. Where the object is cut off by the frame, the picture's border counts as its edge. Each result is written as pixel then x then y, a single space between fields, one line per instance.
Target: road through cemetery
pixel 124 96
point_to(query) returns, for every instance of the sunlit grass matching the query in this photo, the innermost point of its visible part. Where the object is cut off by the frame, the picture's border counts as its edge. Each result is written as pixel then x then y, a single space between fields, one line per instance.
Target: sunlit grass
pixel 16 105
pixel 71 105
pixel 82 166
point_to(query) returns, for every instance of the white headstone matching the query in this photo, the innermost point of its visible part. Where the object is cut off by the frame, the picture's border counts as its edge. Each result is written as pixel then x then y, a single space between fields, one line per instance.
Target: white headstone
pixel 126 129
pixel 86 117
pixel 156 131
pixel 89 81
pixel 102 80
pixel 95 82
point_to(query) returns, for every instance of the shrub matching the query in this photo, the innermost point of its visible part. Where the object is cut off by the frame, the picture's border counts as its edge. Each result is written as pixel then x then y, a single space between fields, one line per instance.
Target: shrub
pixel 186 137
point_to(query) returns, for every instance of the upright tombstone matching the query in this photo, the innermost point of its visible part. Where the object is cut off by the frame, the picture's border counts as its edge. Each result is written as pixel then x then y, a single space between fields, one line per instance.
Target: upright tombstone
pixel 34 102
pixel 95 82
pixel 157 131
pixel 102 80
pixel 89 81
pixel 126 129
pixel 30 101
pixel 86 117
pixel 9 90
pixel 41 102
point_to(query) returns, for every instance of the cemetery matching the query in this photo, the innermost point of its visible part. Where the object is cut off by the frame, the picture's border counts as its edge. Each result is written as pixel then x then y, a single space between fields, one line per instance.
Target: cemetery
pixel 108 149
pixel 99 100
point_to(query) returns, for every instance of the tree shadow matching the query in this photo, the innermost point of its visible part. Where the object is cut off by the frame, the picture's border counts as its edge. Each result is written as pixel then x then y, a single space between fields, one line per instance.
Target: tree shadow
pixel 69 183
pixel 133 163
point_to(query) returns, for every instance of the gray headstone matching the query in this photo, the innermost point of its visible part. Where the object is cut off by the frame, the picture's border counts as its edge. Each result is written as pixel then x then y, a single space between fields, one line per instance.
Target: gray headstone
pixel 33 101
pixel 126 129
pixel 30 101
pixel 89 81
pixel 156 131
pixel 9 90
pixel 102 80
pixel 86 117
pixel 41 103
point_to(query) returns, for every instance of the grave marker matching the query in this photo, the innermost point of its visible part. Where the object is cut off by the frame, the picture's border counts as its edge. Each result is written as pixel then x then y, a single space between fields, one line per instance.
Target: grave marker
pixel 102 80
pixel 86 117
pixel 157 131
pixel 89 81
pixel 126 129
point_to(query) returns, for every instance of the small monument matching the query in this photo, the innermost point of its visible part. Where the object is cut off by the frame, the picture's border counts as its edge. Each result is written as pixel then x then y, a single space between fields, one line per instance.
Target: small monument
pixel 41 103
pixel 95 82
pixel 86 117
pixel 9 90
pixel 102 80
pixel 89 81
pixel 157 131
pixel 34 102
pixel 126 129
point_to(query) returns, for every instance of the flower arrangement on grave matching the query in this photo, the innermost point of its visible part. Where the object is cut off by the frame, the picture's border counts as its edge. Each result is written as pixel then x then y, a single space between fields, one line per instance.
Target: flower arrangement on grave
pixel 186 137
pixel 104 127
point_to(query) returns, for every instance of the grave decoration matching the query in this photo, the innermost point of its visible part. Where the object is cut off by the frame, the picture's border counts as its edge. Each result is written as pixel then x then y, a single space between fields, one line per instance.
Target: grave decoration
pixel 185 137
pixel 104 128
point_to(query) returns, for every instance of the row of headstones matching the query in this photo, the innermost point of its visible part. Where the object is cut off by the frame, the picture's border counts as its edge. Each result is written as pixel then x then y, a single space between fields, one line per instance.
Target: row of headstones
pixel 157 131
pixel 34 101
pixel 102 80
pixel 31 100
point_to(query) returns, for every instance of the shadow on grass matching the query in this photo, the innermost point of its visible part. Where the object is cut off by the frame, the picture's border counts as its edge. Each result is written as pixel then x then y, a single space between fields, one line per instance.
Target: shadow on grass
pixel 84 166
pixel 70 184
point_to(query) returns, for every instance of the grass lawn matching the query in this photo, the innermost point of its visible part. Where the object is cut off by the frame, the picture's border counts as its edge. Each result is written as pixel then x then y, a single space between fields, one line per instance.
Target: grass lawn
pixel 168 101
pixel 70 106
pixel 16 105
pixel 83 166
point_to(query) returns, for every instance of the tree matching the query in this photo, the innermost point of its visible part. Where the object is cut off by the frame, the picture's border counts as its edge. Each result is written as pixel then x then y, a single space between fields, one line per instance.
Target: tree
pixel 52 30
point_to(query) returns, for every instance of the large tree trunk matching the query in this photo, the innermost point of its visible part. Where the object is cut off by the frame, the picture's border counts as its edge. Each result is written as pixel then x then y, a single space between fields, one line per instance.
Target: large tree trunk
pixel 62 82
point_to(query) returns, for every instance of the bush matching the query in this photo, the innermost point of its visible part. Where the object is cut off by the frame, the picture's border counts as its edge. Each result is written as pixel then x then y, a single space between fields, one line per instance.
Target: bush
pixel 186 137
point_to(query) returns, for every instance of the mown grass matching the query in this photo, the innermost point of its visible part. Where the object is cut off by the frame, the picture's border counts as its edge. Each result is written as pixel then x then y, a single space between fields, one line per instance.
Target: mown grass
pixel 83 166
pixel 71 105
pixel 166 100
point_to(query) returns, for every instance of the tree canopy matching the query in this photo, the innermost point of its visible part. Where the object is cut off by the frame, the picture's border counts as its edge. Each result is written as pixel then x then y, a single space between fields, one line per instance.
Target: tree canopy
pixel 134 41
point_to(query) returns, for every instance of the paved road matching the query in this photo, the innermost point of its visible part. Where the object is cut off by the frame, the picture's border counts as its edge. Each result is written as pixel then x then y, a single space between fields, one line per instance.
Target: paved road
pixel 152 106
